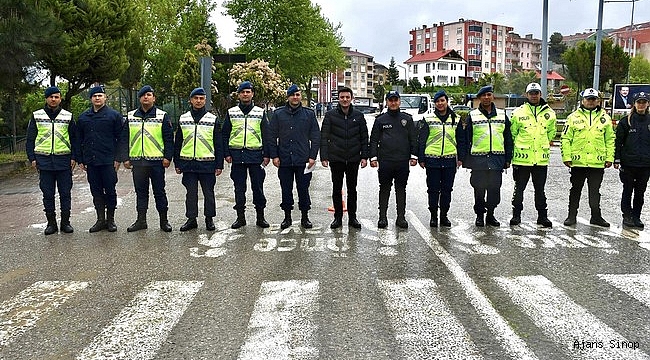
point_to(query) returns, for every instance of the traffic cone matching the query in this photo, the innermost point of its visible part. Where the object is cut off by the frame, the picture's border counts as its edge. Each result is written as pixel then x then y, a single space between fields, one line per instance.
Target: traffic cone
pixel 331 207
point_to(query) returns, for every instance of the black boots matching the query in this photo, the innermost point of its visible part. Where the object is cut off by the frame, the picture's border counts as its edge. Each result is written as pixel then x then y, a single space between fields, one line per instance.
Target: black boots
pixel 542 219
pixel 491 220
pixel 241 220
pixel 516 218
pixel 191 224
pixel 164 223
pixel 65 222
pixel 261 221
pixel 140 223
pixel 597 219
pixel 337 223
pixel 444 220
pixel 110 220
pixel 100 224
pixel 287 220
pixel 209 224
pixel 51 227
pixel 480 220
pixel 400 202
pixel 304 220
pixel 353 221
pixel 433 221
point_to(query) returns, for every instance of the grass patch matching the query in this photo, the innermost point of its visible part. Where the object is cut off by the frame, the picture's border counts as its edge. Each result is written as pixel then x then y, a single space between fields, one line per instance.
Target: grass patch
pixel 9 158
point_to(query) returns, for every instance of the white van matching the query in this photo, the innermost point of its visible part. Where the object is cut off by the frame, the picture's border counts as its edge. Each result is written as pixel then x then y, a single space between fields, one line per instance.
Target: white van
pixel 416 105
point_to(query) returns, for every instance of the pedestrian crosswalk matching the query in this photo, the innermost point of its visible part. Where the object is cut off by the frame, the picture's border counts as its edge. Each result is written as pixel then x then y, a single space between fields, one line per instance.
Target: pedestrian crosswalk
pixel 285 319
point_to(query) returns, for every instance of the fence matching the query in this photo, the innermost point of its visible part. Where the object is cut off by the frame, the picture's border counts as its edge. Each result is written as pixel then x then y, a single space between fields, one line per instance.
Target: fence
pixel 7 144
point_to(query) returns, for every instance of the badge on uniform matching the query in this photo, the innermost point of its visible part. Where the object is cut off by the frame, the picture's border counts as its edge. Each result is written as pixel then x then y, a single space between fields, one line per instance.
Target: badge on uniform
pixel 547 116
pixel 602 120
pixel 403 122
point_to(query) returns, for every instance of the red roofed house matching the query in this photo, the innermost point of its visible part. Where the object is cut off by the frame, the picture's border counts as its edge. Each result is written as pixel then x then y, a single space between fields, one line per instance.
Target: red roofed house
pixel 444 67
pixel 639 35
pixel 553 80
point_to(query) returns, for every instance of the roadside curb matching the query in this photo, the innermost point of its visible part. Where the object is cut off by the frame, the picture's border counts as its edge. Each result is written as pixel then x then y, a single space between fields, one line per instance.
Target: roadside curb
pixel 7 169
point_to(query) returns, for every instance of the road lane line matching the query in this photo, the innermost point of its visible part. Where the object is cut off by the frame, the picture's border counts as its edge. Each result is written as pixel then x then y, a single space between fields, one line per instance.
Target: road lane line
pixel 635 285
pixel 511 342
pixel 21 313
pixel 568 324
pixel 139 330
pixel 424 326
pixel 282 324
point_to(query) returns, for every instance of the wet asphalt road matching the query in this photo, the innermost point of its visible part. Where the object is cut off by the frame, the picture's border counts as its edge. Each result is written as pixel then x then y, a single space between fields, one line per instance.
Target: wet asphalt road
pixel 453 293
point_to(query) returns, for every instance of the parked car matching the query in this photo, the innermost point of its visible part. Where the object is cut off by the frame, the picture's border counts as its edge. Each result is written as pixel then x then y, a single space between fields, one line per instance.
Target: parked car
pixel 461 108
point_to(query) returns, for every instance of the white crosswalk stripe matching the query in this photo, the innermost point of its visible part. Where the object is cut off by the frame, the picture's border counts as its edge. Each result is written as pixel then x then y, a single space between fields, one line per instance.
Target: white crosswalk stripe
pixel 635 285
pixel 564 321
pixel 21 313
pixel 424 326
pixel 138 331
pixel 282 325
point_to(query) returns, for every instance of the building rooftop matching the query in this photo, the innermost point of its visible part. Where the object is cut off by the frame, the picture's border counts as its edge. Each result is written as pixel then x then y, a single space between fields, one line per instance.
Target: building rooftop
pixel 434 56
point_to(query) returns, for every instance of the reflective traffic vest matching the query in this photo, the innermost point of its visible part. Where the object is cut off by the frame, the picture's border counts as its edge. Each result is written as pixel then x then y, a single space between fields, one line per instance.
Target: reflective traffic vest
pixel 52 137
pixel 145 136
pixel 588 138
pixel 246 130
pixel 198 137
pixel 441 142
pixel 532 134
pixel 488 133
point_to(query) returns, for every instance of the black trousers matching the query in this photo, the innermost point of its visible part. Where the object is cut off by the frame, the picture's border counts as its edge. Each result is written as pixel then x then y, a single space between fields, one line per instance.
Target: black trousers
pixel 594 177
pixel 102 180
pixel 191 181
pixel 486 181
pixel 142 176
pixel 351 171
pixel 49 181
pixel 287 174
pixel 521 175
pixel 388 172
pixel 238 176
pixel 635 181
pixel 440 184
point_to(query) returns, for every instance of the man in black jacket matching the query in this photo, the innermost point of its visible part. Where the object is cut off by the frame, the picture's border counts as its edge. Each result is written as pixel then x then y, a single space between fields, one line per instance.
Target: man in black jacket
pixel 344 145
pixel 393 145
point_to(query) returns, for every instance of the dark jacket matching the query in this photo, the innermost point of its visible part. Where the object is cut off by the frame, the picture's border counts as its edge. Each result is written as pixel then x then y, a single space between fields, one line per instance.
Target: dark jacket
pixel 195 165
pixel 246 156
pixel 99 135
pixel 464 136
pixel 344 137
pixel 167 135
pixel 393 137
pixel 294 136
pixel 632 147
pixel 51 162
pixel 423 134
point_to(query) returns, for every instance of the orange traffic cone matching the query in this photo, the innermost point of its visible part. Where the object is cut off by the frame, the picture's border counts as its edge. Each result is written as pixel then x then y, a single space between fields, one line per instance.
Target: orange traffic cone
pixel 331 207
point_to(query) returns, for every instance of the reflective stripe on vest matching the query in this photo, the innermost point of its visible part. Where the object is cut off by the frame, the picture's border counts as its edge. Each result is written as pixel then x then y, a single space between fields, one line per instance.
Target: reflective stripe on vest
pixel 145 136
pixel 246 130
pixel 441 142
pixel 488 133
pixel 198 137
pixel 53 137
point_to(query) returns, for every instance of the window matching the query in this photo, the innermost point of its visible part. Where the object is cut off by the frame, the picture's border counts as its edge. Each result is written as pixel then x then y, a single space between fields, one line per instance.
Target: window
pixel 499 43
pixel 446 32
pixel 494 54
pixel 500 32
pixel 433 45
pixel 499 55
pixel 487 42
pixel 363 77
pixel 428 68
pixel 494 65
pixel 487 64
pixel 427 35
pixel 459 31
pixel 442 79
pixel 415 68
pixel 494 43
pixel 460 52
pixel 348 73
pixel 426 46
pixel 419 36
pixel 494 31
pixel 459 41
pixel 446 45
pixel 453 66
pixel 443 66
pixel 499 66
pixel 354 67
pixel 419 47
pixel 476 28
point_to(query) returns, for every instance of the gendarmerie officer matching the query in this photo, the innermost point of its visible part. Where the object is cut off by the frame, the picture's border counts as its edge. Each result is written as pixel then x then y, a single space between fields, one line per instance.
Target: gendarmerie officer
pixel 198 155
pixel 294 140
pixel 485 146
pixel 100 130
pixel 243 134
pixel 148 143
pixel 51 149
pixel 393 145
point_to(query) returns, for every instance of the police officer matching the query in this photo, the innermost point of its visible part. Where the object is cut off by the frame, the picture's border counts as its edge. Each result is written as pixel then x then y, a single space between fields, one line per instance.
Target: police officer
pixel 294 139
pixel 633 157
pixel 437 154
pixel 393 145
pixel 533 130
pixel 100 130
pixel 587 149
pixel 51 149
pixel 244 129
pixel 344 147
pixel 198 155
pixel 485 146
pixel 150 148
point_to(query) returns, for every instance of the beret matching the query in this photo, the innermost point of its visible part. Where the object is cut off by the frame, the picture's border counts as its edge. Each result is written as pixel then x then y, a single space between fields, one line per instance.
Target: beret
pixel 51 90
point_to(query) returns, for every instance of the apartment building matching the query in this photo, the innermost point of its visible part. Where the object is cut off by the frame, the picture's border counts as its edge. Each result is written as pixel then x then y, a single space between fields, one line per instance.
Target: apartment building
pixel 483 45
pixel 524 53
pixel 359 77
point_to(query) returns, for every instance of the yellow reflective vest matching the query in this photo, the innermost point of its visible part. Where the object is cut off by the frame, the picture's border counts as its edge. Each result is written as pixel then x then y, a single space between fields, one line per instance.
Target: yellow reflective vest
pixel 246 130
pixel 145 136
pixel 588 138
pixel 198 137
pixel 487 134
pixel 533 129
pixel 52 137
pixel 441 142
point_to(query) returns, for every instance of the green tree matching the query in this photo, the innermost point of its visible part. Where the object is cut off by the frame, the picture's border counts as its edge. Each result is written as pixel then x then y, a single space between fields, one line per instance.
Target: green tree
pixel 517 81
pixel 414 85
pixel 188 76
pixel 427 80
pixel 639 70
pixel 393 73
pixel 95 35
pixel 556 48
pixel 269 86
pixel 579 62
pixel 291 35
pixel 379 92
pixel 497 80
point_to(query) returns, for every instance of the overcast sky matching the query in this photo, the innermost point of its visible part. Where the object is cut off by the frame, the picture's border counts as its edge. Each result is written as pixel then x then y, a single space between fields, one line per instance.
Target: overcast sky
pixel 381 28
